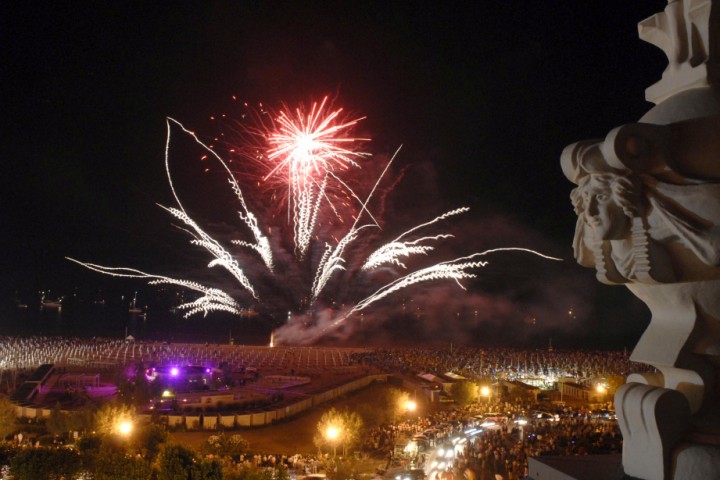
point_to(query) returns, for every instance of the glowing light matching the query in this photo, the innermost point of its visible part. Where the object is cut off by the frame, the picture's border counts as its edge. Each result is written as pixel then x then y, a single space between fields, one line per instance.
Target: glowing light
pixel 174 371
pixel 411 447
pixel 305 148
pixel 124 427
pixel 332 433
pixel 485 391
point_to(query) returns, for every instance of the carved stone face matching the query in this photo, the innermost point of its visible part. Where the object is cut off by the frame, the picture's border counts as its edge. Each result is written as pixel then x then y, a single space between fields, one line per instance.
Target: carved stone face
pixel 602 213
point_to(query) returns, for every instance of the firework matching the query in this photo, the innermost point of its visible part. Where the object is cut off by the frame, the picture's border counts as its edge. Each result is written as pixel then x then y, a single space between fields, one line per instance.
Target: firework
pixel 305 148
pixel 261 245
pixel 391 252
pixel 311 151
pixel 455 270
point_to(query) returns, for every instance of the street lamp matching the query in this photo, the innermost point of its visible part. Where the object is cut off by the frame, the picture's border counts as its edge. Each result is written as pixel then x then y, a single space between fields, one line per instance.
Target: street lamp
pixel 485 392
pixel 410 406
pixel 124 427
pixel 332 433
pixel 601 390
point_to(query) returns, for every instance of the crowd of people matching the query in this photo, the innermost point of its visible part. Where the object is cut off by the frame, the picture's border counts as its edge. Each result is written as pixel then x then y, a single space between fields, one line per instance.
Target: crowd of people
pixel 503 363
pixel 494 451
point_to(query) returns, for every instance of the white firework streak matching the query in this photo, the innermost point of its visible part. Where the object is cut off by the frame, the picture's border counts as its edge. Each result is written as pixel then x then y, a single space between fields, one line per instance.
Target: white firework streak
pixel 262 245
pixel 390 252
pixel 363 207
pixel 213 299
pixel 222 256
pixel 332 261
pixel 306 210
pixel 450 270
pixel 445 215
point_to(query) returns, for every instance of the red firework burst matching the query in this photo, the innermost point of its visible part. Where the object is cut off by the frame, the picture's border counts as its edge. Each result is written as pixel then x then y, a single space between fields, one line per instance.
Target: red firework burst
pixel 308 146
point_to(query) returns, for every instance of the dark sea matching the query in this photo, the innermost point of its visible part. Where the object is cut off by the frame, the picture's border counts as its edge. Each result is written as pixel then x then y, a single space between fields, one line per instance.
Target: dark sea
pixel 87 320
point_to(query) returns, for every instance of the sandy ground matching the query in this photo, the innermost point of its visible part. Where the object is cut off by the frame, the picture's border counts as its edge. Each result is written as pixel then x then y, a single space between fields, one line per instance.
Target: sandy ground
pixel 292 436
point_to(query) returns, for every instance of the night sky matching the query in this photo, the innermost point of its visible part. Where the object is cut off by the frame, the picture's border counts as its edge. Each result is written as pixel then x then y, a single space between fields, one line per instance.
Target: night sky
pixel 483 97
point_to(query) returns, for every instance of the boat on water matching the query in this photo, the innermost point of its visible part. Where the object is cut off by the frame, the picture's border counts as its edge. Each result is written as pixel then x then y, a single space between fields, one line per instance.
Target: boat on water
pixel 133 306
pixel 50 303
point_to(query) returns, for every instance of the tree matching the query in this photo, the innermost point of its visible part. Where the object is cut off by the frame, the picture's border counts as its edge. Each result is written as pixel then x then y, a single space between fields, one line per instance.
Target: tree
pixel 233 472
pixel 207 470
pixel 338 428
pixel 7 451
pixel 350 467
pixel 397 402
pixel 149 440
pixel 82 420
pixel 113 463
pixel 42 463
pixel 464 392
pixel 111 415
pixel 8 419
pixel 176 463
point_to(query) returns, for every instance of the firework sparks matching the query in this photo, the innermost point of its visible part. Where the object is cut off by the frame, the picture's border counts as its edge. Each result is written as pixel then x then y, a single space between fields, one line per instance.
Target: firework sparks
pixel 332 260
pixel 312 150
pixel 308 146
pixel 455 270
pixel 262 245
pixel 212 299
pixel 391 252
pixel 305 148
pixel 222 256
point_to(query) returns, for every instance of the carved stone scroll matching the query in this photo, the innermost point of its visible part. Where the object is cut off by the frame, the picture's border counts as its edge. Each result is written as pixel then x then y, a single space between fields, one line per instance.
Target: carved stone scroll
pixel 647 198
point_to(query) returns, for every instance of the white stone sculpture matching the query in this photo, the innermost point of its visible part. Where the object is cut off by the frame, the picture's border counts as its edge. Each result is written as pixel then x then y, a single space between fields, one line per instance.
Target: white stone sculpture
pixel 648 206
